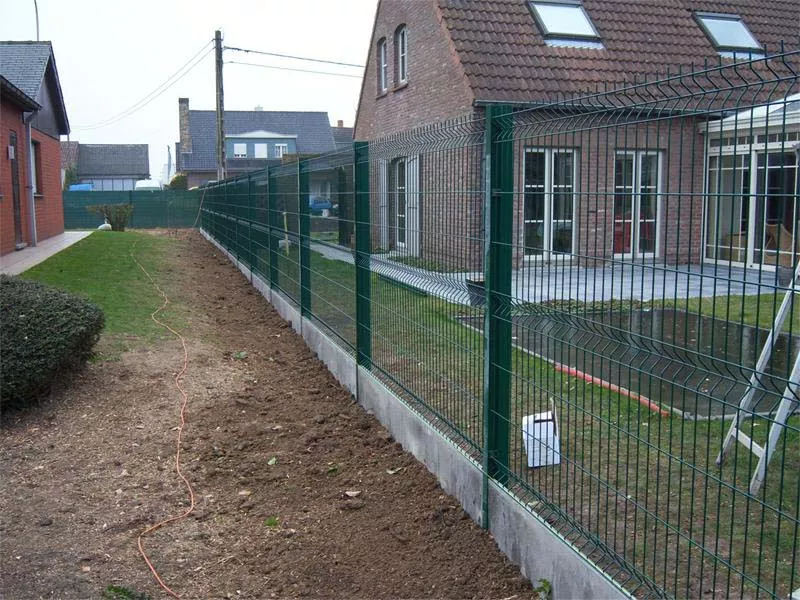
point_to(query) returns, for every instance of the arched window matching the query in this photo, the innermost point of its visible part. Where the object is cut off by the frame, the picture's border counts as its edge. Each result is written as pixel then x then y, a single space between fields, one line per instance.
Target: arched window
pixel 401 54
pixel 383 66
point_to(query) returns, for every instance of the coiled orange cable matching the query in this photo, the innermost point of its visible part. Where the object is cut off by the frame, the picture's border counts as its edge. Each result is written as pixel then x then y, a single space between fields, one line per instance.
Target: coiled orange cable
pixel 178 378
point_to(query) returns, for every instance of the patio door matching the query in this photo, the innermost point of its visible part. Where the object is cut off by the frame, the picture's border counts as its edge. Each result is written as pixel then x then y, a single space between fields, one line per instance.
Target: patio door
pixel 15 191
pixel 776 209
pixel 549 203
pixel 752 214
pixel 636 206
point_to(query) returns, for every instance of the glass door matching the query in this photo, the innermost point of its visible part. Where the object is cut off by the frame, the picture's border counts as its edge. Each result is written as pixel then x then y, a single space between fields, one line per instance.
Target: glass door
pixel 728 208
pixel 636 210
pixel 549 203
pixel 776 209
pixel 534 209
pixel 400 202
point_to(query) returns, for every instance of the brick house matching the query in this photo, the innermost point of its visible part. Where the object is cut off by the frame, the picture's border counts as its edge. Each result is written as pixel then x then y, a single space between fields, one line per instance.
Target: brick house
pixel 253 140
pixel 107 167
pixel 623 189
pixel 32 117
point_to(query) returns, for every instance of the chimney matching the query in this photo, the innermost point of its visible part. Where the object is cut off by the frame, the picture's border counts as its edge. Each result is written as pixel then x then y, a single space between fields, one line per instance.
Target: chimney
pixel 258 108
pixel 340 123
pixel 183 123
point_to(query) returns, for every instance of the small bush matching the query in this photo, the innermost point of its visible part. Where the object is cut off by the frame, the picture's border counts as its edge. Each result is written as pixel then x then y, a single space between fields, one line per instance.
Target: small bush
pixel 45 333
pixel 117 215
pixel 178 182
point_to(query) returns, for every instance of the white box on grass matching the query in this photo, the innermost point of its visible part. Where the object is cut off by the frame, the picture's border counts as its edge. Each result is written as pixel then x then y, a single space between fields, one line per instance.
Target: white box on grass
pixel 540 436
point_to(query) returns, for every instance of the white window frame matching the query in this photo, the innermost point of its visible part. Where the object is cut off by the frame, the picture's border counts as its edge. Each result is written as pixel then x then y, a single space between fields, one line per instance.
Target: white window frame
pixel 703 17
pixel 281 149
pixel 383 66
pixel 263 148
pixel 548 254
pixel 637 205
pixel 237 150
pixel 401 43
pixel 398 184
pixel 574 6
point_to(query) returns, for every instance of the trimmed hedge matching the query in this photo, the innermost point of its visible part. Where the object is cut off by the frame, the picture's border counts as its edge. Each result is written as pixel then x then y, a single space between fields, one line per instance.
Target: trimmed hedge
pixel 44 333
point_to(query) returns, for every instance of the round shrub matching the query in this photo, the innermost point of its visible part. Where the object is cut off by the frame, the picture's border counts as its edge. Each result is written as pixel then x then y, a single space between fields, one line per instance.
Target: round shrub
pixel 44 333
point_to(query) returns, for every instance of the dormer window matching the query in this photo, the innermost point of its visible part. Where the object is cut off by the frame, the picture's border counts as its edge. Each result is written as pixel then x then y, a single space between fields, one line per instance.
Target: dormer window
pixel 565 23
pixel 240 151
pixel 401 54
pixel 383 67
pixel 728 33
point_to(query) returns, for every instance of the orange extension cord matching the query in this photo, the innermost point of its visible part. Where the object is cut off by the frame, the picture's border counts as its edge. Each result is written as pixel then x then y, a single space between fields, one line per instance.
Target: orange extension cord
pixel 185 396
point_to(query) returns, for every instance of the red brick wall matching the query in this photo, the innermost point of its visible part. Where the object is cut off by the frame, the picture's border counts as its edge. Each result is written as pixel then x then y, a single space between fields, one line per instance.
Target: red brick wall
pixel 437 87
pixel 49 207
pixel 48 200
pixel 11 120
pixel 681 180
pixel 451 220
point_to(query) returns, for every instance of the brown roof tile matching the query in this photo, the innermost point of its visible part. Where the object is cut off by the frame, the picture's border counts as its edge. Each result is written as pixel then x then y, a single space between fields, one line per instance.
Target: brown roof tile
pixel 505 56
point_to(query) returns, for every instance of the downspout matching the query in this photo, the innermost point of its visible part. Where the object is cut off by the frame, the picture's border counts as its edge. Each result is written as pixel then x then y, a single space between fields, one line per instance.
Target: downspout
pixel 27 118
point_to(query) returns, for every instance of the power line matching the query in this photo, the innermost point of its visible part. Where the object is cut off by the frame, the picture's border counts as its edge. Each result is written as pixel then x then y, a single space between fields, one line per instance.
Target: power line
pixel 236 62
pixel 182 72
pixel 318 60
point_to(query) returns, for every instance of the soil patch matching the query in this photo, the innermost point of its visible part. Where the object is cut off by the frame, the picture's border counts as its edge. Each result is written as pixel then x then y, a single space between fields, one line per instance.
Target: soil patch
pixel 299 492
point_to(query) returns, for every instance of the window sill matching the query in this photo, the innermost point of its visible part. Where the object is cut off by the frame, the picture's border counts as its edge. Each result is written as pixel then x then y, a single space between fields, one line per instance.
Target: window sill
pixel 38 196
pixel 382 94
pixel 400 86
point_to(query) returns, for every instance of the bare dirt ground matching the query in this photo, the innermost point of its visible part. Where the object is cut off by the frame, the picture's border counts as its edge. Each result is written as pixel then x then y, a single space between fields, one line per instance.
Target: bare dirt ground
pixel 271 446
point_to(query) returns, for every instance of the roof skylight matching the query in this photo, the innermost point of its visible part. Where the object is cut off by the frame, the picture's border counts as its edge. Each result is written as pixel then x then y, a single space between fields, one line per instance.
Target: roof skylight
pixel 728 33
pixel 565 19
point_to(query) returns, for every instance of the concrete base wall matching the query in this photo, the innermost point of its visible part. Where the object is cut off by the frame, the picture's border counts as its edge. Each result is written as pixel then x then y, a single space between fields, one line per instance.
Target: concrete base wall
pixel 527 540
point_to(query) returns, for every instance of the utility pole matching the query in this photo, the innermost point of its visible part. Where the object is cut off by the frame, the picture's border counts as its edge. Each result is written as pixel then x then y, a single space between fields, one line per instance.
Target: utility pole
pixel 220 107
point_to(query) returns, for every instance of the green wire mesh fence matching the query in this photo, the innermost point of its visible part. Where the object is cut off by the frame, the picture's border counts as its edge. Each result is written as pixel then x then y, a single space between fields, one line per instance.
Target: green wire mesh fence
pixel 595 299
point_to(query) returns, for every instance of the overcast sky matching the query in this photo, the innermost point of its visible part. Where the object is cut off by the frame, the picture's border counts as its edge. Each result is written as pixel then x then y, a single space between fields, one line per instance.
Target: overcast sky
pixel 111 54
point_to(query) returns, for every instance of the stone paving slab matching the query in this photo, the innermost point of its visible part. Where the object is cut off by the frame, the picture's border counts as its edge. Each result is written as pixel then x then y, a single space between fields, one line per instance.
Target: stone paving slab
pixel 18 261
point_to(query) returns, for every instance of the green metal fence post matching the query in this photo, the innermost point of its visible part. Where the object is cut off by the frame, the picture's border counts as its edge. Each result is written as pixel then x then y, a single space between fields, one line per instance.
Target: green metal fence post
pixel 305 235
pixel 361 200
pixel 497 324
pixel 250 261
pixel 272 200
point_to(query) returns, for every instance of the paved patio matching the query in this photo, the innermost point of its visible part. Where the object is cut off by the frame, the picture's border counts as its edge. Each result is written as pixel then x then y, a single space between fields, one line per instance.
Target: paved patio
pixel 617 280
pixel 22 260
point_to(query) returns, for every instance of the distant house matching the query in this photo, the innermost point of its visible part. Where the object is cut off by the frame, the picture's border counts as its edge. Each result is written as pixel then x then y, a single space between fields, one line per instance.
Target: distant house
pixel 32 118
pixel 343 136
pixel 441 60
pixel 108 167
pixel 253 140
pixel 69 159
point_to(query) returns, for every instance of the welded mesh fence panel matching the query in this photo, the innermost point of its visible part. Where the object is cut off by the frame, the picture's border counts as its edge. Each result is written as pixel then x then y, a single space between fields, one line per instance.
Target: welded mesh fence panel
pixel 584 296
pixel 331 217
pixel 285 209
pixel 151 209
pixel 655 235
pixel 426 225
pixel 258 217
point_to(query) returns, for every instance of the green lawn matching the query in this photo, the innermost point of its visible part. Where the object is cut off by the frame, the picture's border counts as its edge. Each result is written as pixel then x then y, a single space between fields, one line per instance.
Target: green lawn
pixel 101 268
pixel 751 310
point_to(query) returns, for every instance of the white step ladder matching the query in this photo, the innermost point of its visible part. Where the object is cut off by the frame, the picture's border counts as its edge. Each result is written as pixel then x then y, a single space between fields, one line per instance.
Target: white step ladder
pixel 785 408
